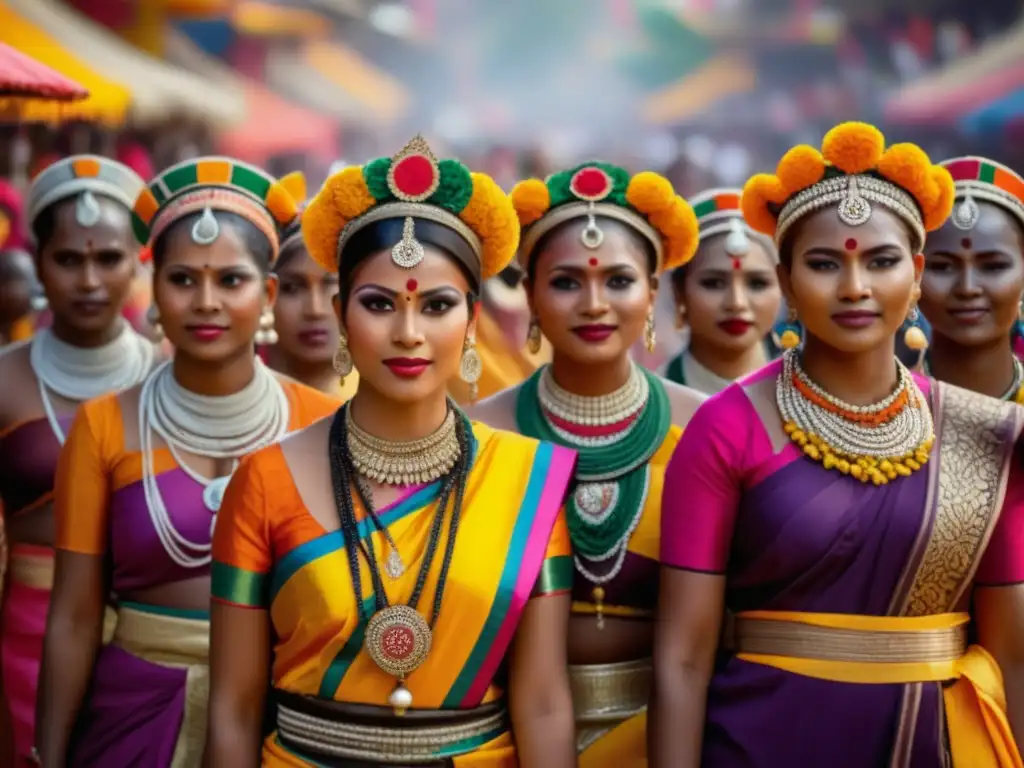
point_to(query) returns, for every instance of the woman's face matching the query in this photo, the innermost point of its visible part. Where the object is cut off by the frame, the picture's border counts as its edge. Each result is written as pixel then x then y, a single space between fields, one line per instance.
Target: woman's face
pixel 303 318
pixel 17 285
pixel 406 327
pixel 87 272
pixel 210 297
pixel 729 302
pixel 592 305
pixel 974 280
pixel 852 287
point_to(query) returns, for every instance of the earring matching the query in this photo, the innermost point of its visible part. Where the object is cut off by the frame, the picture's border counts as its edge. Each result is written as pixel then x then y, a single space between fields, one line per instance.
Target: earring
pixel 471 366
pixel 533 337
pixel 266 334
pixel 680 318
pixel 913 336
pixel 342 358
pixel 38 302
pixel 1018 328
pixel 153 319
pixel 650 336
pixel 787 336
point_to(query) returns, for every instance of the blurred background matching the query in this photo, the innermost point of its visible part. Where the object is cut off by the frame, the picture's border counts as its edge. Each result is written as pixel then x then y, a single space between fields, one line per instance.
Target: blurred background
pixel 709 91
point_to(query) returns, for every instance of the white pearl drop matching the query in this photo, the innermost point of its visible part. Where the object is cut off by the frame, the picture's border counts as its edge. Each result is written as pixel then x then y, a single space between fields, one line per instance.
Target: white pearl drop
pixel 400 698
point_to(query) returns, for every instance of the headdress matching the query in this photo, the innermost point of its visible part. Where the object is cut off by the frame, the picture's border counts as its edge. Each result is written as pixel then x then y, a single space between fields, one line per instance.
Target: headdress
pixel 84 176
pixel 412 186
pixel 646 202
pixel 291 233
pixel 211 184
pixel 852 172
pixel 718 212
pixel 979 179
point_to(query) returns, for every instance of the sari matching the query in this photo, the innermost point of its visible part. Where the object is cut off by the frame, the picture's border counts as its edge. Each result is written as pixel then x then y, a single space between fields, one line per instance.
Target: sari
pixel 271 554
pixel 148 696
pixel 812 553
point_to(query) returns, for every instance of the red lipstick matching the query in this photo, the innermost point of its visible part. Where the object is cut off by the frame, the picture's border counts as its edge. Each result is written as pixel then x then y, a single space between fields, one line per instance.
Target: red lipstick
pixel 594 333
pixel 407 367
pixel 735 327
pixel 206 332
pixel 855 318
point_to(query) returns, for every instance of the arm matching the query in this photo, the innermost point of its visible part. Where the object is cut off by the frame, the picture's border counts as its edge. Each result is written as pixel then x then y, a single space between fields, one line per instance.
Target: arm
pixel 999 618
pixel 540 699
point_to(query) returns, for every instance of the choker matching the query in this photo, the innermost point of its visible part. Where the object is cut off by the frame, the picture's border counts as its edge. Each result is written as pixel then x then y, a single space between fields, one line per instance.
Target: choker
pixel 604 410
pixel 415 462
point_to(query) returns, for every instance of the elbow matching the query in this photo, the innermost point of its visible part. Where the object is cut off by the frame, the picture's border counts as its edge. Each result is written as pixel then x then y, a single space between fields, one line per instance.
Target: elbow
pixel 547 698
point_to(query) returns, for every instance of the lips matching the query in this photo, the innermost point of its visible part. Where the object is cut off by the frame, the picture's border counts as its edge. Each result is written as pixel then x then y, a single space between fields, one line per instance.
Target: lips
pixel 735 327
pixel 315 337
pixel 855 318
pixel 206 332
pixel 407 367
pixel 969 315
pixel 594 333
pixel 91 306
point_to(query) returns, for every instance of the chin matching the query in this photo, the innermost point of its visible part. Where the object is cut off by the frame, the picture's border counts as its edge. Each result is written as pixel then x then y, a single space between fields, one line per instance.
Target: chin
pixel 93 324
pixel 591 354
pixel 405 392
pixel 973 336
pixel 737 344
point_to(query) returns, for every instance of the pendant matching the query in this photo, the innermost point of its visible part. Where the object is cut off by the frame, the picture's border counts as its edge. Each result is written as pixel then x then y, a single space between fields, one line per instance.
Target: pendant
pixel 393 566
pixel 398 640
pixel 213 493
pixel 598 594
pixel 596 501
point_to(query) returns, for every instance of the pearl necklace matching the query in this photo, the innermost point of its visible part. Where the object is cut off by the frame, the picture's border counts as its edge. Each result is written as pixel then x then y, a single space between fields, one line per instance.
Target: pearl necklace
pixel 600 411
pixel 404 463
pixel 223 427
pixel 82 373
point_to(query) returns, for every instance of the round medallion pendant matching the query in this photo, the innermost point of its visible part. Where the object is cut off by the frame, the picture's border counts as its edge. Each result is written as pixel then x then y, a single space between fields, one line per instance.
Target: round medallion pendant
pixel 213 493
pixel 398 640
pixel 596 501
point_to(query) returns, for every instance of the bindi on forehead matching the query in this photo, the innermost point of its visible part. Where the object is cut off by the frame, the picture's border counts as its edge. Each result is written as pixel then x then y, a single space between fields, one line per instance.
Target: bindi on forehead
pixel 592 261
pixel 966 243
pixel 737 264
pixel 411 285
pixel 851 244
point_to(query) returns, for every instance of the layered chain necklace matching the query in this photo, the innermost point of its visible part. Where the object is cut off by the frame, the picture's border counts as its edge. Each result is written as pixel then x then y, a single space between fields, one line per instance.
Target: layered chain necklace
pixel 1013 392
pixel 81 373
pixel 873 443
pixel 224 427
pixel 398 637
pixel 615 436
pixel 406 463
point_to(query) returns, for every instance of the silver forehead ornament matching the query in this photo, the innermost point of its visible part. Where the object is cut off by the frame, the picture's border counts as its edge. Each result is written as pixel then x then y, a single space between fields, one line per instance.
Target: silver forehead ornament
pixel 87 210
pixel 408 252
pixel 206 230
pixel 591 236
pixel 966 213
pixel 737 243
pixel 854 210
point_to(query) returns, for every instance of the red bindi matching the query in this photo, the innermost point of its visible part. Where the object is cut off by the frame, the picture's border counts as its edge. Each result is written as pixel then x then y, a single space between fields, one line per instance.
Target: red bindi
pixel 411 285
pixel 851 244
pixel 593 261
pixel 737 265
pixel 966 242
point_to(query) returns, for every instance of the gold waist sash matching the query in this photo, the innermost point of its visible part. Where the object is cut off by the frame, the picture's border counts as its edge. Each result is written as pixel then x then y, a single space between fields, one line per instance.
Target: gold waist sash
pixel 605 695
pixel 32 566
pixel 183 643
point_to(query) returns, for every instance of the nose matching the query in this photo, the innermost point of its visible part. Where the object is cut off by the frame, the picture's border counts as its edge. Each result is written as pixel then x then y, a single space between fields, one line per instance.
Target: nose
pixel 206 299
pixel 595 303
pixel 318 304
pixel 967 284
pixel 407 333
pixel 736 299
pixel 853 286
pixel 90 277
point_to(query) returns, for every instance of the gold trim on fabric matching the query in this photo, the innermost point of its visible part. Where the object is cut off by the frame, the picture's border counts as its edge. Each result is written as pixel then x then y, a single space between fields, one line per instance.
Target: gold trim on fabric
pixel 605 695
pixel 34 571
pixel 977 438
pixel 181 643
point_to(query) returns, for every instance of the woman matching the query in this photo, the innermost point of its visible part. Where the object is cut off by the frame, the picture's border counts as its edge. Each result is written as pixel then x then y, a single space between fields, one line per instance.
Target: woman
pixel 972 292
pixel 143 473
pixel 843 517
pixel 594 243
pixel 394 650
pixel 18 290
pixel 79 213
pixel 728 296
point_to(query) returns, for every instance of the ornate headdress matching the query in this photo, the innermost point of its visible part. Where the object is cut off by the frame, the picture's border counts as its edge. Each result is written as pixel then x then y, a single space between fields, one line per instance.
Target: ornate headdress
pixel 413 186
pixel 718 213
pixel 84 176
pixel 291 233
pixel 852 172
pixel 646 202
pixel 211 184
pixel 979 179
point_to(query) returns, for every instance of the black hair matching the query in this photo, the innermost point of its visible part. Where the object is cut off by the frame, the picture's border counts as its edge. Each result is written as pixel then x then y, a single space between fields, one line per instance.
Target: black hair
pixel 384 234
pixel 44 225
pixel 604 222
pixel 256 242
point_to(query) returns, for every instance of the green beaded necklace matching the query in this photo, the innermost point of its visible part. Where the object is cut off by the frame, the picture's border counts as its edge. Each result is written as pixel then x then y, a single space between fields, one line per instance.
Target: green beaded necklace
pixel 620 465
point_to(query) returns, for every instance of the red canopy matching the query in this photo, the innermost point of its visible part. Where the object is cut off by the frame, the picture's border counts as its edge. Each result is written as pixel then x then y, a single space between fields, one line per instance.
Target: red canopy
pixel 21 75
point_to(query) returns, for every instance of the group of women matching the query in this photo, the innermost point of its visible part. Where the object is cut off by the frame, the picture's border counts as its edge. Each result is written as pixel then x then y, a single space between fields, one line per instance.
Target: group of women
pixel 818 565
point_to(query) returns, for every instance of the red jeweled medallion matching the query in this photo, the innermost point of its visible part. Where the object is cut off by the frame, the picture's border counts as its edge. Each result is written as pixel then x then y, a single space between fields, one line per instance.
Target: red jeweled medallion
pixel 414 174
pixel 398 640
pixel 591 184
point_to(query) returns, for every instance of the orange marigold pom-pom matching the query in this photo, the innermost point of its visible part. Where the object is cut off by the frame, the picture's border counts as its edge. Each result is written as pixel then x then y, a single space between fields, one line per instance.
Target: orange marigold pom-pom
pixel 760 190
pixel 650 192
pixel 349 192
pixel 936 215
pixel 492 216
pixel 680 231
pixel 907 166
pixel 531 199
pixel 853 147
pixel 800 168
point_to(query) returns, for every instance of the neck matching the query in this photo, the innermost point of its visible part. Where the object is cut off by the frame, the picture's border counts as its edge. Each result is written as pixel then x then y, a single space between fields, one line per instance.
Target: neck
pixel 397 422
pixel 321 376
pixel 590 380
pixel 87 339
pixel 215 379
pixel 861 378
pixel 987 368
pixel 728 364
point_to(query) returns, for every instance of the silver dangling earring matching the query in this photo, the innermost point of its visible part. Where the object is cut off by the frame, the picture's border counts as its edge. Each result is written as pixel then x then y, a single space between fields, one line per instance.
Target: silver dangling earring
pixel 266 335
pixel 650 335
pixel 153 319
pixel 343 358
pixel 471 366
pixel 533 337
pixel 38 302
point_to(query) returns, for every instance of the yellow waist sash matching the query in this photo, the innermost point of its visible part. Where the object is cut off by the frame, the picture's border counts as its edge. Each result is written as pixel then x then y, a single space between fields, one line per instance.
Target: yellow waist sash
pixel 891 649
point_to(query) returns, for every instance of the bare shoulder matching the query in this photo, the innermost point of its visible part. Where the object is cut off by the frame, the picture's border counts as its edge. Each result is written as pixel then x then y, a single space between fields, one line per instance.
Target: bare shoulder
pixel 684 401
pixel 497 411
pixel 16 380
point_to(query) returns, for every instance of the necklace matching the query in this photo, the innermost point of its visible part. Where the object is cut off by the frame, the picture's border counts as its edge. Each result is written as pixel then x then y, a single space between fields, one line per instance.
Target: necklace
pixel 82 373
pixel 615 407
pixel 1012 392
pixel 406 463
pixel 873 443
pixel 398 638
pixel 224 427
pixel 613 475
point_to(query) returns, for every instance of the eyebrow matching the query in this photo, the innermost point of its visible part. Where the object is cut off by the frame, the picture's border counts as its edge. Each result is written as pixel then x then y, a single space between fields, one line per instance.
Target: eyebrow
pixel 428 294
pixel 719 271
pixel 837 253
pixel 576 268
pixel 988 253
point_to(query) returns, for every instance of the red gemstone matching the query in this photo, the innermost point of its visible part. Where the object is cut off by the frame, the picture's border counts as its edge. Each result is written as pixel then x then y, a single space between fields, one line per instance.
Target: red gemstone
pixel 851 244
pixel 413 175
pixel 397 642
pixel 591 183
pixel 411 285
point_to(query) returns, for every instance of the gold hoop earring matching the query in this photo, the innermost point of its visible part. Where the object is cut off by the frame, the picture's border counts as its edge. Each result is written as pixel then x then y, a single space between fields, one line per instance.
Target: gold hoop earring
pixel 650 335
pixel 342 358
pixel 533 336
pixel 471 367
